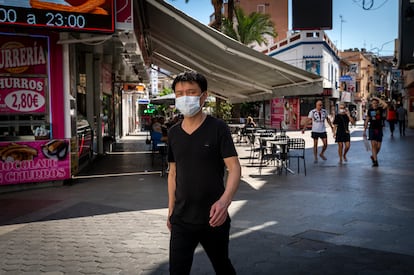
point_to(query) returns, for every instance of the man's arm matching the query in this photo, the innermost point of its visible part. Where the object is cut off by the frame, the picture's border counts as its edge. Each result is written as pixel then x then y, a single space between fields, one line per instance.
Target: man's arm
pixel 306 121
pixel 171 191
pixel 381 102
pixel 218 211
pixel 329 122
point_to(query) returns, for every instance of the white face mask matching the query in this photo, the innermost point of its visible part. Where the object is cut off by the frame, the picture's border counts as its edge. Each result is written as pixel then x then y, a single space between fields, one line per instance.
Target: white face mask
pixel 188 105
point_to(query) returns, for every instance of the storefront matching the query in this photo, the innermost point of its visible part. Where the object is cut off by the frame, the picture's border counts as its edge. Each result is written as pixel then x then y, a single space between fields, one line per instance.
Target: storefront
pixel 39 95
pixel 33 146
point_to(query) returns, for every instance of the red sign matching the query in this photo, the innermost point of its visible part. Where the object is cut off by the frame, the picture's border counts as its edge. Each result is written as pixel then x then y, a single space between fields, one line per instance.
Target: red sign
pixel 23 55
pixel 35 161
pixel 123 11
pixel 22 95
pixel 277 112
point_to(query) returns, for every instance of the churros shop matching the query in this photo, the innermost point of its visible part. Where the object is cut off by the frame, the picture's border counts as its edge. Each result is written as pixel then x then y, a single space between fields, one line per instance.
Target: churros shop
pixel 32 144
pixel 38 135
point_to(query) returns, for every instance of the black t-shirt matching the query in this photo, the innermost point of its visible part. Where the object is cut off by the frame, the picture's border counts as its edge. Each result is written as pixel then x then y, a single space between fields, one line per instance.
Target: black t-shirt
pixel 376 118
pixel 199 167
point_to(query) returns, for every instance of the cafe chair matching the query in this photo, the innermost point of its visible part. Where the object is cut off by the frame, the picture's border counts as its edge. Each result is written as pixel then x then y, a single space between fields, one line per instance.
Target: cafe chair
pixel 296 149
pixel 267 155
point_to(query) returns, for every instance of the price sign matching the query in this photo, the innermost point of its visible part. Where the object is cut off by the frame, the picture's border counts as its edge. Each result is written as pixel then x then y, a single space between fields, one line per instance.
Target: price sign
pixel 24 101
pixel 22 95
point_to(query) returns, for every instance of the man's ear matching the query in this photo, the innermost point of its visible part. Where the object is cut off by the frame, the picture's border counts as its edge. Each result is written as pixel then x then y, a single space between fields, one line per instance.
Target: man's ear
pixel 204 96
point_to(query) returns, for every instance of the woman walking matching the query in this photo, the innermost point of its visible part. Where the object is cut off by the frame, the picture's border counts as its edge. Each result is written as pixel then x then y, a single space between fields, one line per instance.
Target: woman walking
pixel 341 131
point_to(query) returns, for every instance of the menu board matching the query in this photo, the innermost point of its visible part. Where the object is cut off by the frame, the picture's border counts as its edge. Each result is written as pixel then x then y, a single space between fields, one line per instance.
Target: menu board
pixel 23 74
pixel 69 15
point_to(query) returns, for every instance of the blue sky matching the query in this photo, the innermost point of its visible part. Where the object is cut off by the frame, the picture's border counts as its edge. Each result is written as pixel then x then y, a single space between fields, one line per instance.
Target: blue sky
pixel 373 29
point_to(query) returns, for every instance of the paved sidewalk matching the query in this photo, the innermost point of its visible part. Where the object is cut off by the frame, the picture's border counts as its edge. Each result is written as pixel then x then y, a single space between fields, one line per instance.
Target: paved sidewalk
pixel 339 219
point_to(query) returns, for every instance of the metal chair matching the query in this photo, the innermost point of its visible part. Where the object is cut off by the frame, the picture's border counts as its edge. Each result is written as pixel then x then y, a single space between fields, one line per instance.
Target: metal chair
pixel 281 153
pixel 296 149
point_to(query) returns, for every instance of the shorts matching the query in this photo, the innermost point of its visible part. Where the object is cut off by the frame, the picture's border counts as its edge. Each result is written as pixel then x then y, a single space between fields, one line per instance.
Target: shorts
pixel 375 134
pixel 316 135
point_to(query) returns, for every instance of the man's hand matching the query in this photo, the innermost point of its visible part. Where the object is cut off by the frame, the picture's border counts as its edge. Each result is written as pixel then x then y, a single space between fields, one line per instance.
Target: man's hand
pixel 168 223
pixel 218 213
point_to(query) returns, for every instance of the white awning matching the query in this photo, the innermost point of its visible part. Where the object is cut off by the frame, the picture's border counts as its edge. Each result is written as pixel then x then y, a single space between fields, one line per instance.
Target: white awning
pixel 176 42
pixel 168 99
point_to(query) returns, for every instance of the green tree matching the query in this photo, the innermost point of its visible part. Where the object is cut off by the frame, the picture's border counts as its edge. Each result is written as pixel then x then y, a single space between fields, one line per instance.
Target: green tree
pixel 248 29
pixel 166 91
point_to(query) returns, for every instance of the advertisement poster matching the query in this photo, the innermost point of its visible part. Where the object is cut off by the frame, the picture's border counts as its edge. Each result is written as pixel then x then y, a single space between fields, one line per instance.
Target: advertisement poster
pixel 285 113
pixel 291 113
pixel 313 66
pixel 276 112
pixel 72 15
pixel 34 161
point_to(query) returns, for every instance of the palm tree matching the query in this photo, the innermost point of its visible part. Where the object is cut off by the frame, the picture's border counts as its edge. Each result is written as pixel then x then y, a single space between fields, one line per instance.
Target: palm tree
pixel 248 29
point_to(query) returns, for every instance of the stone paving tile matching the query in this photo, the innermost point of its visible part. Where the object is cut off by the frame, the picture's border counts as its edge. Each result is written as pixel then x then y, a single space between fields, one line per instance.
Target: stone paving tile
pixel 117 225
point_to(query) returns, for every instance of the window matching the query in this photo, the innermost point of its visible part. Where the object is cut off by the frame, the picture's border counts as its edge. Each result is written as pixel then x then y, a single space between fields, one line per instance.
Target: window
pixel 261 8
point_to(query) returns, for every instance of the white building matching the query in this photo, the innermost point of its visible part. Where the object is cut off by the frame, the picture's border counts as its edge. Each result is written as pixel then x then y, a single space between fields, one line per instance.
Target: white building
pixel 312 51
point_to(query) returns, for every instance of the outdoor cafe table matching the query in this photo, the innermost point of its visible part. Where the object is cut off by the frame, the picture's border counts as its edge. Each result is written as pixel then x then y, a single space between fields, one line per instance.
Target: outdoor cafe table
pixel 283 145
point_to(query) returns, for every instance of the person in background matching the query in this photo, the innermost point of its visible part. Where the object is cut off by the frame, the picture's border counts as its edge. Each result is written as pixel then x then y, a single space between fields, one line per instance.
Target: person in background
pixel 200 149
pixel 375 121
pixel 247 128
pixel 391 118
pixel 402 119
pixel 250 123
pixel 158 132
pixel 318 116
pixel 341 131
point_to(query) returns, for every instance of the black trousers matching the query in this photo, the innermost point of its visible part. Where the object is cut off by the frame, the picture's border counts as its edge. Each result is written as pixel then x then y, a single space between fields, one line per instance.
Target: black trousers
pixel 402 126
pixel 214 240
pixel 392 125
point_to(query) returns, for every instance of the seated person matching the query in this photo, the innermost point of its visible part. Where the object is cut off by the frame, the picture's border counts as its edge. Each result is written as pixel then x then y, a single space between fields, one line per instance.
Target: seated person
pixel 250 123
pixel 158 132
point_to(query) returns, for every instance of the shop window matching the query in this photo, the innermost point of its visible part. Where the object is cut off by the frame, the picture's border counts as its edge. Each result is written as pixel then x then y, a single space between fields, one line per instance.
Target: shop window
pixel 22 127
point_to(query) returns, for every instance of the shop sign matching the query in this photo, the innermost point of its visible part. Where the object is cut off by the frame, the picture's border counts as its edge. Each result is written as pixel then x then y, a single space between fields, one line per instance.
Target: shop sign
pixel 69 15
pixel 23 55
pixel 34 161
pixel 345 78
pixel 124 15
pixel 22 95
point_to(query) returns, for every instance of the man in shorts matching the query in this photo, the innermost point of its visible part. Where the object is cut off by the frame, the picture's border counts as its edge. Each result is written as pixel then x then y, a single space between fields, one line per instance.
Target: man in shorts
pixel 318 116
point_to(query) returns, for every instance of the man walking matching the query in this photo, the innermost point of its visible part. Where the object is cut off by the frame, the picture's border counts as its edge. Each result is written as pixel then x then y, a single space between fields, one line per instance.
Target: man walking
pixel 318 116
pixel 200 147
pixel 402 118
pixel 375 121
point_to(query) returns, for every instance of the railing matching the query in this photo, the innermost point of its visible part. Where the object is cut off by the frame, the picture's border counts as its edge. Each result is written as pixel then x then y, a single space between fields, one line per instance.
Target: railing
pixel 317 35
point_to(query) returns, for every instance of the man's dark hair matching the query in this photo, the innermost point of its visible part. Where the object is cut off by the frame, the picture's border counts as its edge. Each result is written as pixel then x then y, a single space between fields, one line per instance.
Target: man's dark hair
pixel 191 76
